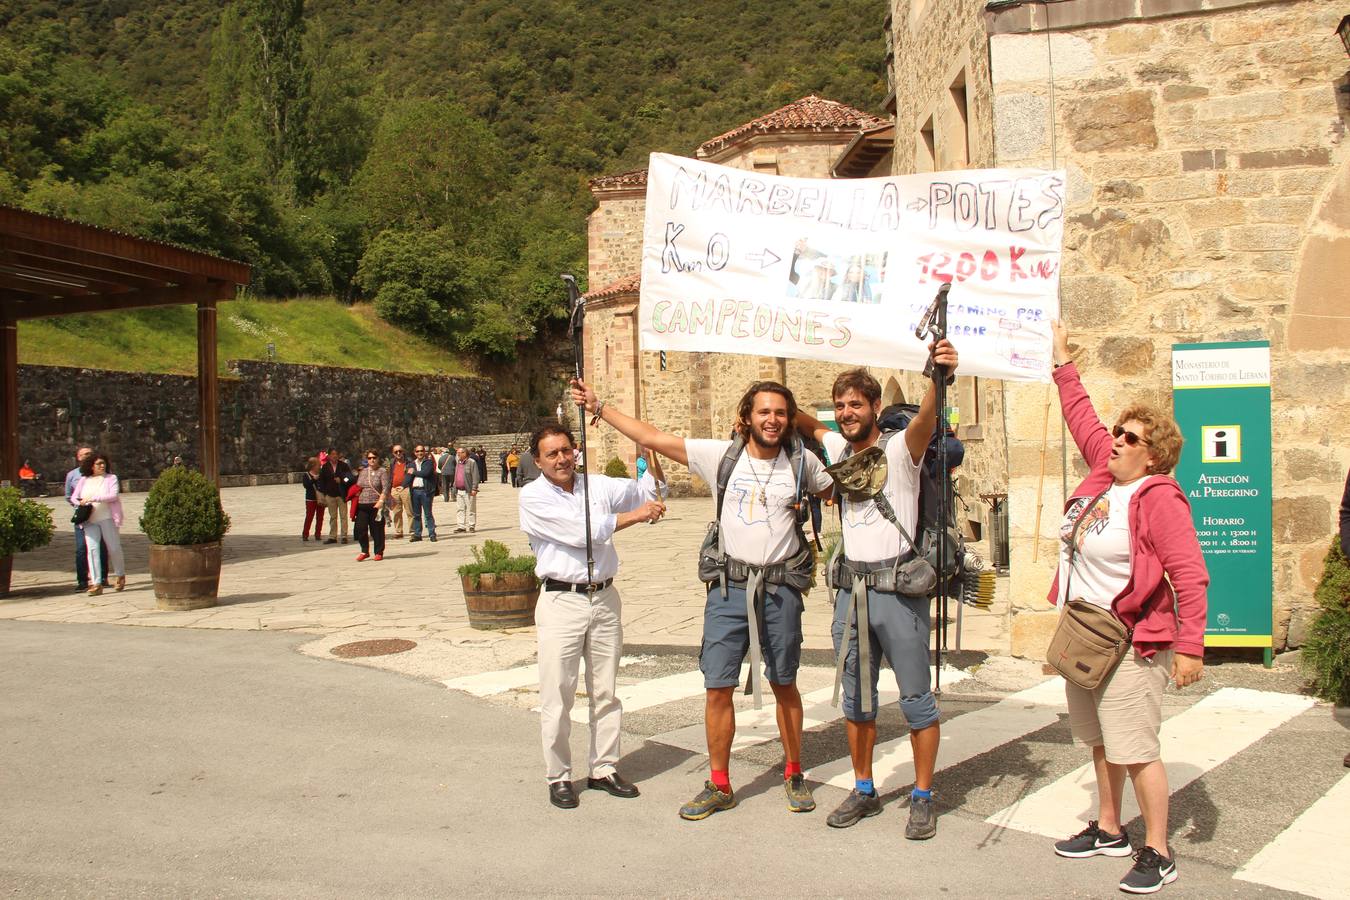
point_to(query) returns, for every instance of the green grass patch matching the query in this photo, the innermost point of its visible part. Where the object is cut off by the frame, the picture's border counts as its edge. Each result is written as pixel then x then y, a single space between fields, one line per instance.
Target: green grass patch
pixel 307 330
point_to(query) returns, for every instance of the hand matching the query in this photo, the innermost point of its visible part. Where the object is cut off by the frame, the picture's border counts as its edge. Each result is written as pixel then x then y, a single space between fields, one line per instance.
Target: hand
pixel 1186 669
pixel 944 354
pixel 582 395
pixel 652 511
pixel 1060 340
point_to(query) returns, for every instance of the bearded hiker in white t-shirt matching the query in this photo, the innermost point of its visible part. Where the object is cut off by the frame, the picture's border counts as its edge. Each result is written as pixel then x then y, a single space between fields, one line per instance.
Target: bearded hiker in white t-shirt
pixel 878 611
pixel 754 601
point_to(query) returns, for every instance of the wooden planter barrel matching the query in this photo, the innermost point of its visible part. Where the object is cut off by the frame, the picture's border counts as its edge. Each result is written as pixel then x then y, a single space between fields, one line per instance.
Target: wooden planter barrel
pixel 501 601
pixel 185 577
pixel 6 573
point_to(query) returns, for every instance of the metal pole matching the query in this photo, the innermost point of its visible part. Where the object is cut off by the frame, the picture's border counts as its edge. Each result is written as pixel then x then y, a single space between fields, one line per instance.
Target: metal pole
pixel 575 330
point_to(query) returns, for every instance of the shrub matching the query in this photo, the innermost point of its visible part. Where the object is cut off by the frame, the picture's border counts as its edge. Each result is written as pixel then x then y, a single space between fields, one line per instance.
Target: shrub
pixel 183 507
pixel 496 559
pixel 1326 653
pixel 24 524
pixel 615 468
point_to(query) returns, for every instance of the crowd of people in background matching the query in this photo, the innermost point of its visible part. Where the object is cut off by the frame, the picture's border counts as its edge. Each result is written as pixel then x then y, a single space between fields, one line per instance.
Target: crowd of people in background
pixel 393 497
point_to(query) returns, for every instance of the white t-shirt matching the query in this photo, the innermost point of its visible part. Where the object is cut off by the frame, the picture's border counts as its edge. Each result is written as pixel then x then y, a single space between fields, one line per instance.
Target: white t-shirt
pixel 757 515
pixel 1101 567
pixel 868 536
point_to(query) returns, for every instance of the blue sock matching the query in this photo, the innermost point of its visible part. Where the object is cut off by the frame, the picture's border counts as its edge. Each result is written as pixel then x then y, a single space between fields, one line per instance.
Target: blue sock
pixel 917 794
pixel 864 786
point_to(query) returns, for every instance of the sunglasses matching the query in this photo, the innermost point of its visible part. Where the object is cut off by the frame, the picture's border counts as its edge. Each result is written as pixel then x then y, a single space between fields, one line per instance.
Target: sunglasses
pixel 1131 438
pixel 372 457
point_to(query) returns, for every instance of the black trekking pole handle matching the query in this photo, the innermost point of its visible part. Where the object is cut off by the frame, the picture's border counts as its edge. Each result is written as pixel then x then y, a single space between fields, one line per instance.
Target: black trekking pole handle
pixel 575 330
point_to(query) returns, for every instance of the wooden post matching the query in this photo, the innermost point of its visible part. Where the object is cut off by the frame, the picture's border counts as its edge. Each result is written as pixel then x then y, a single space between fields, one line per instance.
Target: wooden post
pixel 208 405
pixel 9 399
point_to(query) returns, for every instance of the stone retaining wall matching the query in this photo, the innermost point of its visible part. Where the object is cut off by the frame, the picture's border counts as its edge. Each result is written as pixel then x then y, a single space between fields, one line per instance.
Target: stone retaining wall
pixel 272 415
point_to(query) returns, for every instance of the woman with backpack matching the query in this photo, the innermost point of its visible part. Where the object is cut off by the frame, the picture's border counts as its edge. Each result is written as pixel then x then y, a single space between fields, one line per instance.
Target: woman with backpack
pixel 1128 550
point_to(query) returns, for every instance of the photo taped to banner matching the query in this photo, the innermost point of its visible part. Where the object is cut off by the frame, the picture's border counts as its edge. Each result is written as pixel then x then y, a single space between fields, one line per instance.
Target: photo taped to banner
pixel 834 269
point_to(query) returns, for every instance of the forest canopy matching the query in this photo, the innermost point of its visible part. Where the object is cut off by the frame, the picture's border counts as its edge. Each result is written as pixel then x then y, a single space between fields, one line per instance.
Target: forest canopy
pixel 430 157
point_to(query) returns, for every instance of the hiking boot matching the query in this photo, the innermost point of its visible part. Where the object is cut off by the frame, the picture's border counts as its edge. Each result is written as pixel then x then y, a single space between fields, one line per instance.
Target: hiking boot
pixel 1150 872
pixel 856 806
pixel 798 794
pixel 1092 841
pixel 708 801
pixel 922 819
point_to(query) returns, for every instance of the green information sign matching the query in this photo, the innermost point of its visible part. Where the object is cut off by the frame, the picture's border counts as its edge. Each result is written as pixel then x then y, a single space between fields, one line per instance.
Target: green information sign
pixel 1221 397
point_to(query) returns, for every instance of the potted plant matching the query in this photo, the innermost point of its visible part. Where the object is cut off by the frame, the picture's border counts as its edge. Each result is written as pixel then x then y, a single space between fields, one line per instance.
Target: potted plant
pixel 500 590
pixel 1326 652
pixel 24 525
pixel 184 521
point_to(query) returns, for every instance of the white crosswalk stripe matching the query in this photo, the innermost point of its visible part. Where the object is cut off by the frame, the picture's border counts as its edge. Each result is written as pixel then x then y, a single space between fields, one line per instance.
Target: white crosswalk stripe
pixel 499 681
pixel 758 726
pixel 963 738
pixel 1298 860
pixel 1193 742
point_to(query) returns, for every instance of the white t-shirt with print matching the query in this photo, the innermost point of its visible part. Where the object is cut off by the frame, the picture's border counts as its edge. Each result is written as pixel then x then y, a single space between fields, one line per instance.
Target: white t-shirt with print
pixel 1101 567
pixel 757 516
pixel 868 536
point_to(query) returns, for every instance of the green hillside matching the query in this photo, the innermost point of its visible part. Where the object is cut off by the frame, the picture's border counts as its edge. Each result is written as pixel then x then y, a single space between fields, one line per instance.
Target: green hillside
pixel 313 331
pixel 430 156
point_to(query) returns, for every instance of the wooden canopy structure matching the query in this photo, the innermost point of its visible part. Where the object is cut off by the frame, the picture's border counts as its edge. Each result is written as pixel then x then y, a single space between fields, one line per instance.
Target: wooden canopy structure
pixel 55 267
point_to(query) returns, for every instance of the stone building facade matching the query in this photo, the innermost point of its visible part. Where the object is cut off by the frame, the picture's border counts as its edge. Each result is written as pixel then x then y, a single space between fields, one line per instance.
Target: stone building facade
pixel 1209 200
pixel 695 394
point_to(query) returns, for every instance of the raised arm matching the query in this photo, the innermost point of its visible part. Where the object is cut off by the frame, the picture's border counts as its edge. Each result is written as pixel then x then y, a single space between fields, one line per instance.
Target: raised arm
pixel 671 445
pixel 920 429
pixel 1088 432
pixel 809 425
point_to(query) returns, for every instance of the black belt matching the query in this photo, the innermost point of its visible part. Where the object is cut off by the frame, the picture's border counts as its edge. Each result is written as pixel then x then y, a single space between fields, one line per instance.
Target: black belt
pixel 551 584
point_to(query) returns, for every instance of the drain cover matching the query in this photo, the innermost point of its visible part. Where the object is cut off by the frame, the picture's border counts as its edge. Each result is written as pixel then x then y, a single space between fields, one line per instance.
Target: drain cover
pixel 382 647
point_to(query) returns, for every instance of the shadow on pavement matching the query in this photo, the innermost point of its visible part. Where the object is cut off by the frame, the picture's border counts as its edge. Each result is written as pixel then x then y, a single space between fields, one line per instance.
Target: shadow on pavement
pixel 236 599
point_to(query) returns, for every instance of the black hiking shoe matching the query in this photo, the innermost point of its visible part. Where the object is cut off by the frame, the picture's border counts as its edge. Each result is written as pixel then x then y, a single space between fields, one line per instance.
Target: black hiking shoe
pixel 1150 872
pixel 1092 841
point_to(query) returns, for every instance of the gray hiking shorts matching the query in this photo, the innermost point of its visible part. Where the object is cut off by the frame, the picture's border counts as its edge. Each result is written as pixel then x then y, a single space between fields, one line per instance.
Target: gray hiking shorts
pixel 900 628
pixel 726 635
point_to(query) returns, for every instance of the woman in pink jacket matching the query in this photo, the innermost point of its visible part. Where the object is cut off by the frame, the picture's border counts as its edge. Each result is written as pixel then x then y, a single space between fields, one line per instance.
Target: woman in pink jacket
pixel 1137 555
pixel 99 490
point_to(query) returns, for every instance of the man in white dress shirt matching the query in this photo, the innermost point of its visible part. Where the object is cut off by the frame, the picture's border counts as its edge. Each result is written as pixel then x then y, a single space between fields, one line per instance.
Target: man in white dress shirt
pixel 578 613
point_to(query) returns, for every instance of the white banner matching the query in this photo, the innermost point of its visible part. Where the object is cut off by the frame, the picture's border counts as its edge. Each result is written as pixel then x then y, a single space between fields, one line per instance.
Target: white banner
pixel 844 269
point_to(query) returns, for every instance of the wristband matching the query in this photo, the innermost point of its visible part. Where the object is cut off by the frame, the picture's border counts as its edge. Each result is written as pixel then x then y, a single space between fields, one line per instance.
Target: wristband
pixel 599 408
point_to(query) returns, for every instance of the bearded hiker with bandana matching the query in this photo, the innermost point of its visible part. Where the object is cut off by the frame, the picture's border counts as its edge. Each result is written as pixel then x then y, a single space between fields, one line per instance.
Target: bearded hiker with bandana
pixel 881 587
pixel 755 563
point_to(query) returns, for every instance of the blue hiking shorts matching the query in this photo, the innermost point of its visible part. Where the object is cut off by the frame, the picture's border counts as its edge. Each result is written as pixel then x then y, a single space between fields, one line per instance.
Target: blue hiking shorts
pixel 726 635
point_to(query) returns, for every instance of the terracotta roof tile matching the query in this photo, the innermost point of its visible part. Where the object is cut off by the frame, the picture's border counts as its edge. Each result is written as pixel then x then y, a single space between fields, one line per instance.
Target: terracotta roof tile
pixel 811 113
pixel 628 285
pixel 623 181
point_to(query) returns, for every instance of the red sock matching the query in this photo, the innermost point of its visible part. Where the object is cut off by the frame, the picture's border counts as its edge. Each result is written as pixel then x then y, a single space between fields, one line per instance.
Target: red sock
pixel 722 781
pixel 790 769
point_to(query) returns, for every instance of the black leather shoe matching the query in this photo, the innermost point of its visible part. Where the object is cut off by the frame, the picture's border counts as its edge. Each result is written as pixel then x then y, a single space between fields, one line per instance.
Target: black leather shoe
pixel 561 795
pixel 613 784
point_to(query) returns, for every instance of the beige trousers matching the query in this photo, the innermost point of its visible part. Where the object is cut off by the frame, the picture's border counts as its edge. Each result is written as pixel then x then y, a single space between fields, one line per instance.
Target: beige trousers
pixel 400 509
pixel 466 510
pixel 571 626
pixel 337 515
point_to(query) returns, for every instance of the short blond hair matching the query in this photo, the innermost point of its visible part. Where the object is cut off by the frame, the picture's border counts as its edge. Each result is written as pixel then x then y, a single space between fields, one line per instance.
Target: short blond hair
pixel 1164 436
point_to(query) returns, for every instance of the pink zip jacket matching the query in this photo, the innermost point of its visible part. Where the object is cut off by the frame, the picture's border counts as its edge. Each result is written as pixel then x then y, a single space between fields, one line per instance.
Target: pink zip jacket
pixel 111 496
pixel 1164 600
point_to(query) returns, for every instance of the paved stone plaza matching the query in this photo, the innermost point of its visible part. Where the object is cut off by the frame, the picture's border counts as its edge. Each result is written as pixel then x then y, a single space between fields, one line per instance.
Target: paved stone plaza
pixel 273 581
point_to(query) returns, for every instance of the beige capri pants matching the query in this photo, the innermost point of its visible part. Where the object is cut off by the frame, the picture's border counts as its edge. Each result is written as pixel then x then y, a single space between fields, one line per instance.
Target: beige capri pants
pixel 1124 713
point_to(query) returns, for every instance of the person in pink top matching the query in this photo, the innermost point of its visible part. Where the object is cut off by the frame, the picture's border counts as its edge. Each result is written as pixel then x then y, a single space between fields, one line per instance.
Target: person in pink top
pixel 1136 555
pixel 99 490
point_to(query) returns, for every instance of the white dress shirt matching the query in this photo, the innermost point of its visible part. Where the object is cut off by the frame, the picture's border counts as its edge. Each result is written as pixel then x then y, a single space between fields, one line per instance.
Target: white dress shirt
pixel 555 522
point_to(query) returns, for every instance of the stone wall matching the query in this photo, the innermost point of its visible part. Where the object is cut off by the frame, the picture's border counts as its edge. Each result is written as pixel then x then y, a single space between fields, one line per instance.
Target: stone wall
pixel 612 252
pixel 1209 200
pixel 272 415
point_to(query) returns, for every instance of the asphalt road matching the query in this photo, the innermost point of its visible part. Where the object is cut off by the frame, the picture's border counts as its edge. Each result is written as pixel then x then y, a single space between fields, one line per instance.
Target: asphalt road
pixel 175 762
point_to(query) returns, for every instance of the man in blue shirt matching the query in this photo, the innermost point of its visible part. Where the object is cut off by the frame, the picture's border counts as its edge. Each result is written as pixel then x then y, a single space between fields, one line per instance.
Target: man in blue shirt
pixel 81 554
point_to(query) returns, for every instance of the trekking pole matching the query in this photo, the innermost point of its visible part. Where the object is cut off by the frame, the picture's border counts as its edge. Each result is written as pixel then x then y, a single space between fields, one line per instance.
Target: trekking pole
pixel 934 324
pixel 575 327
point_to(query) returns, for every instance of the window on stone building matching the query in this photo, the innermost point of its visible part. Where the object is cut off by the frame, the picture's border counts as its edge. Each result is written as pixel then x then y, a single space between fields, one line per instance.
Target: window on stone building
pixel 925 151
pixel 663 360
pixel 970 405
pixel 609 357
pixel 954 146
